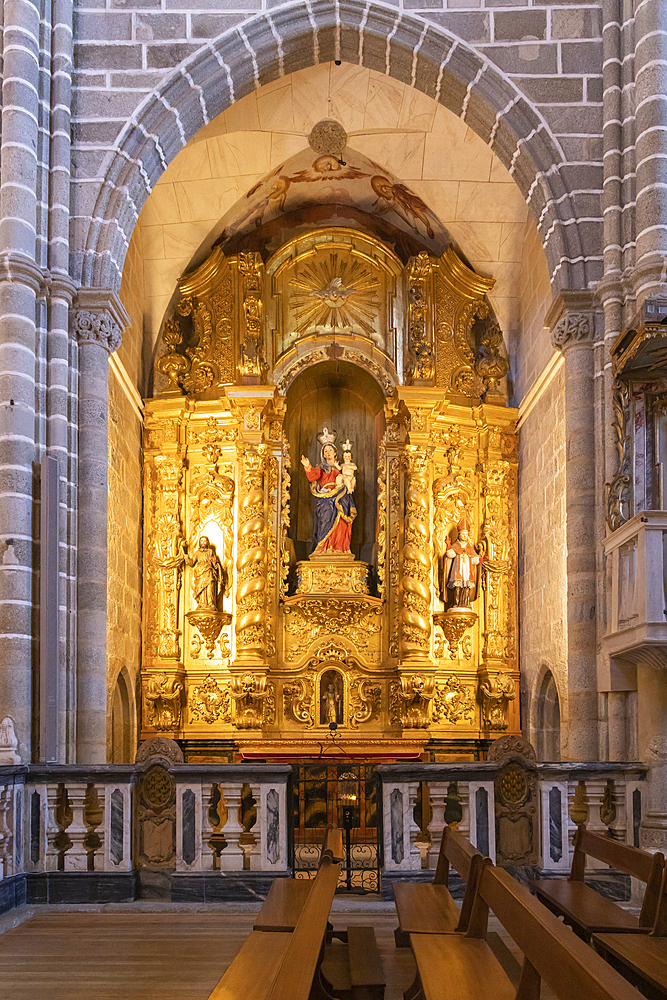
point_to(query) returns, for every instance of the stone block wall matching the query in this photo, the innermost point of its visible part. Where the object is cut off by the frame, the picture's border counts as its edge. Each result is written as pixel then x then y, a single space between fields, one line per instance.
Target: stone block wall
pixel 551 51
pixel 530 345
pixel 132 294
pixel 543 550
pixel 125 511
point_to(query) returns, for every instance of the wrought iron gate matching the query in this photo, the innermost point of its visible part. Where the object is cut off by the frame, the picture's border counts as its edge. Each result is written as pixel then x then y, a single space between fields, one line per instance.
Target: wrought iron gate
pixel 347 796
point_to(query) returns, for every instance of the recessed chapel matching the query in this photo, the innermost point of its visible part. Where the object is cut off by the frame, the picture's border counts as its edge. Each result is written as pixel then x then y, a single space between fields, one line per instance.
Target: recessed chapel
pixel 333 437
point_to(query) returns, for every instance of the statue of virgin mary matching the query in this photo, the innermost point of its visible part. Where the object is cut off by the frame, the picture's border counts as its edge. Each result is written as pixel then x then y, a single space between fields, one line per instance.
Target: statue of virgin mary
pixel 333 501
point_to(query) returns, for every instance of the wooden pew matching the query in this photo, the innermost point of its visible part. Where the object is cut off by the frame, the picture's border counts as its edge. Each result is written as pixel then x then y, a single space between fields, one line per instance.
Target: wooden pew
pixel 428 907
pixel 587 911
pixel 287 896
pixel 279 966
pixel 463 967
pixel 641 958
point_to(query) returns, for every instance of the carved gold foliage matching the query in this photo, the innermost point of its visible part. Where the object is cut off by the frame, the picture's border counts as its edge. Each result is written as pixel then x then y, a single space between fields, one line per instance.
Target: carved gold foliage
pixel 409 701
pixel 394 558
pixel 496 696
pixel 210 703
pixel 285 518
pixel 335 579
pixel 252 555
pixel 453 702
pixel 382 517
pixel 166 548
pixel 307 620
pixel 253 364
pixel 419 366
pixel 250 692
pixel 415 556
pixel 162 701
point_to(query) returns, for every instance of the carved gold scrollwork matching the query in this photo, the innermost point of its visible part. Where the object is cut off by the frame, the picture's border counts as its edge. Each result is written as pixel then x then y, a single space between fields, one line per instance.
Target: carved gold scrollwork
pixel 299 699
pixel 394 554
pixel 167 553
pixel 496 695
pixel 162 700
pixel 419 366
pixel 253 364
pixel 209 702
pixel 285 518
pixel 306 619
pixel 382 517
pixel 365 698
pixel 497 533
pixel 250 693
pixel 409 701
pixel 453 702
pixel 619 489
pixel 252 556
pixel 416 557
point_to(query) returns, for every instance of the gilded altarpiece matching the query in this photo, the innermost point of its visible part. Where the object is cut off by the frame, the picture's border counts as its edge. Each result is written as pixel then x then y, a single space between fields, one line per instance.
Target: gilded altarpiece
pixel 410 636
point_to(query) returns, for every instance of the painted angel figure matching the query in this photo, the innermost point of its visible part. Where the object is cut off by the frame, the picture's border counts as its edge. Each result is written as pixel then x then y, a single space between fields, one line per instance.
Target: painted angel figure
pixel 334 506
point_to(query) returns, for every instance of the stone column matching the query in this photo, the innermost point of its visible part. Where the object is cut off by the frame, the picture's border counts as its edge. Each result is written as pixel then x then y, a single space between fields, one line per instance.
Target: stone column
pixel 21 281
pixel 652 715
pixel 98 318
pixel 573 333
pixel 651 146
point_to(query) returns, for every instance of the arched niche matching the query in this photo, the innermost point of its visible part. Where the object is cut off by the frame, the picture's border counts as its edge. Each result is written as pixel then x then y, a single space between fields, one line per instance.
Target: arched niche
pixel 548 719
pixel 346 399
pixel 123 728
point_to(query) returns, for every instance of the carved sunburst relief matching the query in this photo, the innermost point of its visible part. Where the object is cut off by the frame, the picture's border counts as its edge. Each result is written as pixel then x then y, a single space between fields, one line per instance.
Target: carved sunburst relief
pixel 335 292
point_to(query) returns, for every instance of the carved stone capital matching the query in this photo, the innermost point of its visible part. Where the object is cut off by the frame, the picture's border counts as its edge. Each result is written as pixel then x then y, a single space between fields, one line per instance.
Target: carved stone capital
pixel 573 328
pixel 96 328
pixel 99 317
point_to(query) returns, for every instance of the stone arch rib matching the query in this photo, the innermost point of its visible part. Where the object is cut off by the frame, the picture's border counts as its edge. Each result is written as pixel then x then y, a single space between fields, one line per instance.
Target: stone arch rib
pixel 296 36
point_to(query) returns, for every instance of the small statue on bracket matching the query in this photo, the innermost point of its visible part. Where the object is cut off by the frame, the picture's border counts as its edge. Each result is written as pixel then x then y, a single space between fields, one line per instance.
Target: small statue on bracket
pixel 208 575
pixel 458 570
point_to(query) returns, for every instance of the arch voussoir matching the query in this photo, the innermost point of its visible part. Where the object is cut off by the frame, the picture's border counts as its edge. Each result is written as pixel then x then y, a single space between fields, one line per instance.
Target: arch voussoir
pixel 293 37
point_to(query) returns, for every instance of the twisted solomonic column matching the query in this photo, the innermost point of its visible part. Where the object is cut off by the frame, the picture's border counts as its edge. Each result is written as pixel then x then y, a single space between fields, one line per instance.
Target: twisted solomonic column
pixel 251 563
pixel 416 559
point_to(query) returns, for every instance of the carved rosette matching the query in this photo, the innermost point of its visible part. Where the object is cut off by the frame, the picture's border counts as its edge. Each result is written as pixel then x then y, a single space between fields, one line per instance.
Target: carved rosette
pixel 251 563
pixel 416 558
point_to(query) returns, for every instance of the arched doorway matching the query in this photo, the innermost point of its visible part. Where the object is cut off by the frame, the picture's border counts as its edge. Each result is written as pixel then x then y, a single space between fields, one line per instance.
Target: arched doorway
pixel 548 720
pixel 123 721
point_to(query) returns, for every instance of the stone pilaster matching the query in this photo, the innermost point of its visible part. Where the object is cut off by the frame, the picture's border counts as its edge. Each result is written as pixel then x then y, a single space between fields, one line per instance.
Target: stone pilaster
pixel 97 320
pixel 651 147
pixel 573 333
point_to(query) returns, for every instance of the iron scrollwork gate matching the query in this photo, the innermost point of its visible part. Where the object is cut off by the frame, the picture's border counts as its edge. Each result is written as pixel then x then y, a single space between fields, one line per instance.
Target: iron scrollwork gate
pixel 347 796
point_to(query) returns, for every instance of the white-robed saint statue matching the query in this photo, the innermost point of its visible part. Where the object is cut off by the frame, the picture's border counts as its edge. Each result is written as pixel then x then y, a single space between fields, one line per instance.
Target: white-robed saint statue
pixel 459 570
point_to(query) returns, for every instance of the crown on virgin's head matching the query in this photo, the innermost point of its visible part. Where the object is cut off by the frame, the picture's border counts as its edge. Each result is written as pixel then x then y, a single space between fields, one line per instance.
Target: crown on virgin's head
pixel 326 437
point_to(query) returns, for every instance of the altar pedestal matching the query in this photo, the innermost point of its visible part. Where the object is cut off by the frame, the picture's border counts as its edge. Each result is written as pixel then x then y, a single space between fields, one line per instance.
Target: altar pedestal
pixel 332 573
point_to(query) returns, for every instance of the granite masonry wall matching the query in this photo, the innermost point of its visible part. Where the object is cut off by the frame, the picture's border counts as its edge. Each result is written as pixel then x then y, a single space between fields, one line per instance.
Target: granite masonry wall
pixel 543 552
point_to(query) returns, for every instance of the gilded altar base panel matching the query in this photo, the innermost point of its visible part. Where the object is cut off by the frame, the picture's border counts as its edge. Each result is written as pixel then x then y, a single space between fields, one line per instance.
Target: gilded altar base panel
pixel 245 644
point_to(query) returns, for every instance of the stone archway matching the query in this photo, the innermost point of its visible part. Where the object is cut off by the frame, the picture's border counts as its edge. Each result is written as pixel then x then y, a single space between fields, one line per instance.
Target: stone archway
pixel 272 45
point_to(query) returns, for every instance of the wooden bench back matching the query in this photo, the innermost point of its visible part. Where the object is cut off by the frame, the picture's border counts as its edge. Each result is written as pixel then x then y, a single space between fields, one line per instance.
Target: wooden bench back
pixel 295 976
pixel 332 845
pixel 551 951
pixel 639 864
pixel 457 851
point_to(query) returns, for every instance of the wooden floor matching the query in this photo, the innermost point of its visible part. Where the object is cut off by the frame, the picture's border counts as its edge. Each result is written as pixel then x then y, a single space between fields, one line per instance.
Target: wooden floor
pixel 156 955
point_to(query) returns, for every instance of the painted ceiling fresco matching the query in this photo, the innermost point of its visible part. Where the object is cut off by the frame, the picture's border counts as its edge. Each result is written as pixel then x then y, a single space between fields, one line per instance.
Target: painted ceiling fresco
pixel 308 186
